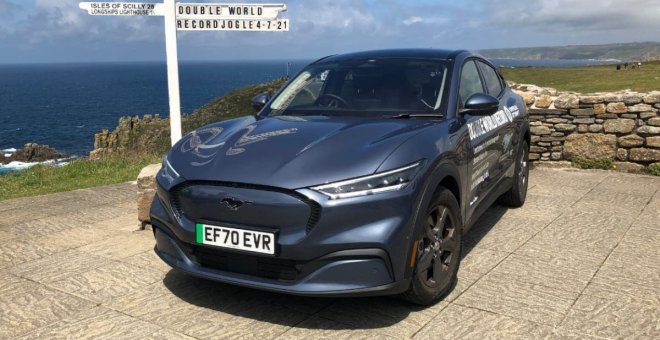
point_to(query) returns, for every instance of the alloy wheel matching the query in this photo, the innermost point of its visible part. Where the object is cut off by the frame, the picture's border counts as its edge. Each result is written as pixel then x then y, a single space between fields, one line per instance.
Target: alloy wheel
pixel 437 248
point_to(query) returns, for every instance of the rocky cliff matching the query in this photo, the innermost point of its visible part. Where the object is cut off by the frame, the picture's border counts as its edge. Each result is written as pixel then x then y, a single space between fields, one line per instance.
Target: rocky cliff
pixel 151 133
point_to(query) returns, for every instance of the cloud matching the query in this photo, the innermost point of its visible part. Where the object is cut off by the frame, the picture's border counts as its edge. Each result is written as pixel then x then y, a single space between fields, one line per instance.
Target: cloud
pixel 321 27
pixel 413 20
pixel 575 16
pixel 7 8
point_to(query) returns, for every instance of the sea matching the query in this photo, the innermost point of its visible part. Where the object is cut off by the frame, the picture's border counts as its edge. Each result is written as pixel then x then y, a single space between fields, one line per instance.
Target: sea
pixel 64 105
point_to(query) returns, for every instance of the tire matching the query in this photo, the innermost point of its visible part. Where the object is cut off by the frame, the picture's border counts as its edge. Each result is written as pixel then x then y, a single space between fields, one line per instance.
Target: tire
pixel 516 196
pixel 438 254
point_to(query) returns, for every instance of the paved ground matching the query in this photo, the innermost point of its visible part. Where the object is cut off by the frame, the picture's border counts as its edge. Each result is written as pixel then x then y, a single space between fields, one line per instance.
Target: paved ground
pixel 580 260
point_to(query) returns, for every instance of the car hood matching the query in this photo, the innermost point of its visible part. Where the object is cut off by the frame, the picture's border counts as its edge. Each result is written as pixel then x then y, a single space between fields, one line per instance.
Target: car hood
pixel 290 151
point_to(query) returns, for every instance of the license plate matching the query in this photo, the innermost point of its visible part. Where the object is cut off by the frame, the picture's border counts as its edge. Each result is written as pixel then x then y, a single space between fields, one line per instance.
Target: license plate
pixel 233 238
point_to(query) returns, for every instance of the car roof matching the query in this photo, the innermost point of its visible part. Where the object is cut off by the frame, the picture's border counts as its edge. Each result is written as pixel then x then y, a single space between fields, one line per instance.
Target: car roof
pixel 421 53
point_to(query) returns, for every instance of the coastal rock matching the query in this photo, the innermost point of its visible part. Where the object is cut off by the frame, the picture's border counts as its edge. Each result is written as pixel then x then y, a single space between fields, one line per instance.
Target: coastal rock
pixel 33 153
pixel 590 146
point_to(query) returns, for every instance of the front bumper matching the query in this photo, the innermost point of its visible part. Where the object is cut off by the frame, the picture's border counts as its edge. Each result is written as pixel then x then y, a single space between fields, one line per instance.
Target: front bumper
pixel 361 273
pixel 354 247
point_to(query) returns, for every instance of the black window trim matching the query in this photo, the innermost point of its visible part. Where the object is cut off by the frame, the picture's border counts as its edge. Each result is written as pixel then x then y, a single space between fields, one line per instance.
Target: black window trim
pixel 459 104
pixel 483 77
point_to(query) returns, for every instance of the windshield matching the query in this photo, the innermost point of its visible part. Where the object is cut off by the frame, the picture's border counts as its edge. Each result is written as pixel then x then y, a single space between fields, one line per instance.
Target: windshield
pixel 364 87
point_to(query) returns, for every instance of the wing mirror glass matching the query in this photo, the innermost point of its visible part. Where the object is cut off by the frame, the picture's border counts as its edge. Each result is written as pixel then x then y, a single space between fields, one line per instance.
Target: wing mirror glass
pixel 481 104
pixel 260 100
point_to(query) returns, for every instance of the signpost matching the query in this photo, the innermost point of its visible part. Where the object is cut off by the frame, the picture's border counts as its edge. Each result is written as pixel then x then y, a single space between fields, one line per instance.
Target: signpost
pixel 194 17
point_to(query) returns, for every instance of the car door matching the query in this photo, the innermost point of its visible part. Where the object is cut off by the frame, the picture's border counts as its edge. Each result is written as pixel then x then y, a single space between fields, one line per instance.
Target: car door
pixel 507 132
pixel 485 146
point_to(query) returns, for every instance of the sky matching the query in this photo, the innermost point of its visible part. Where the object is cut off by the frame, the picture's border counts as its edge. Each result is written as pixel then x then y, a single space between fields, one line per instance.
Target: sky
pixel 36 31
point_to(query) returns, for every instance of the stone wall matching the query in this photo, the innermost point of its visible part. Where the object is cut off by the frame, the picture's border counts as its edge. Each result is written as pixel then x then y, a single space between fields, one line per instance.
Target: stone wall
pixel 622 127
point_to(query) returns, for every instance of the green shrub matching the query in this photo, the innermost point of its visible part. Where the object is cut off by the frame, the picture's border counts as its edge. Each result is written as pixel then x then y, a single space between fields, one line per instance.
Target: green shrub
pixel 602 164
pixel 654 169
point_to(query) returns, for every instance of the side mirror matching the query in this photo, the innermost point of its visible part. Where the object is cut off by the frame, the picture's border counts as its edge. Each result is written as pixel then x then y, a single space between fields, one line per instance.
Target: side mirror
pixel 260 100
pixel 481 104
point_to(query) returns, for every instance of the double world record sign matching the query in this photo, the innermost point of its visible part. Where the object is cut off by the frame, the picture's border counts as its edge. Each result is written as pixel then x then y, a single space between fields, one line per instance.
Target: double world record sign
pixel 202 16
pixel 193 17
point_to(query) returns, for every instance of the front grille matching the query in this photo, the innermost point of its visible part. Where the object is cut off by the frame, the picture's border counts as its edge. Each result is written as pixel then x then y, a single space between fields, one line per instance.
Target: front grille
pixel 315 208
pixel 270 268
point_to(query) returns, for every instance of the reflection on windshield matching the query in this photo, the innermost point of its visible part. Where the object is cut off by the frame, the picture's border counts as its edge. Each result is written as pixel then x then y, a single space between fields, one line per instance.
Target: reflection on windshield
pixel 386 86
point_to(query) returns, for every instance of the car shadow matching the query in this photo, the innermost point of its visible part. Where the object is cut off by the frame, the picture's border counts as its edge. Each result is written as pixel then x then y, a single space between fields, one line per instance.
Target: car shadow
pixel 347 313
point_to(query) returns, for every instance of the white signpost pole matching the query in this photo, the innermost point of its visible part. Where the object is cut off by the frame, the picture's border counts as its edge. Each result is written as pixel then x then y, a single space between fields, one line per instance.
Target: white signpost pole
pixel 172 52
pixel 194 17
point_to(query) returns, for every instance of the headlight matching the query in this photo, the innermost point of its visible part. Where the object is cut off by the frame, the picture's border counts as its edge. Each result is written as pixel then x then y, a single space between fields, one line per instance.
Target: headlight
pixel 168 171
pixel 382 182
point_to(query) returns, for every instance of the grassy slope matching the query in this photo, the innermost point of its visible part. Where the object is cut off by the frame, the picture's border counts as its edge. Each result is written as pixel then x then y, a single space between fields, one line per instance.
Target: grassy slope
pixel 43 179
pixel 589 79
pixel 625 52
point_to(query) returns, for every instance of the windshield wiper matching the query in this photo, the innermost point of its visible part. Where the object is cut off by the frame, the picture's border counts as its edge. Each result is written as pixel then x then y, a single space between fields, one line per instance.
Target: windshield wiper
pixel 418 115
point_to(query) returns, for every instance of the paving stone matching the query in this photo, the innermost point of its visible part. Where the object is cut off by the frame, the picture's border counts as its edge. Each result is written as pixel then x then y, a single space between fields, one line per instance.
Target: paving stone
pixel 321 328
pixel 67 238
pixel 14 252
pixel 595 233
pixel 46 225
pixel 393 317
pixel 102 323
pixel 149 260
pixel 522 271
pixel 108 282
pixel 16 216
pixel 122 245
pixel 538 271
pixel 502 295
pixel 613 319
pixel 505 234
pixel 59 266
pixel 458 322
pixel 27 305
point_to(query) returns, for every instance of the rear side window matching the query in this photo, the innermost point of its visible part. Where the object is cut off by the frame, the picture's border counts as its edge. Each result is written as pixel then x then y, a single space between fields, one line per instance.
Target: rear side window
pixel 470 82
pixel 492 80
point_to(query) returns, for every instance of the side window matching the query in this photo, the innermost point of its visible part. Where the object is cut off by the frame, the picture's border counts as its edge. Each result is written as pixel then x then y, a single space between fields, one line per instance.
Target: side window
pixel 470 82
pixel 492 80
